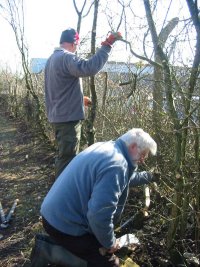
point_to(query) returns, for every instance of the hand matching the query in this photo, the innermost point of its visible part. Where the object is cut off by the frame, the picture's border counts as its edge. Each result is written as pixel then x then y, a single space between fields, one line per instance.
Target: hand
pixel 103 251
pixel 155 176
pixel 114 248
pixel 113 37
pixel 87 101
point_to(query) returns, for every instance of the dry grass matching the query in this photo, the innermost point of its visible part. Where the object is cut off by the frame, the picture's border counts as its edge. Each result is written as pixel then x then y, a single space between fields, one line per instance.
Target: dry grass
pixel 26 173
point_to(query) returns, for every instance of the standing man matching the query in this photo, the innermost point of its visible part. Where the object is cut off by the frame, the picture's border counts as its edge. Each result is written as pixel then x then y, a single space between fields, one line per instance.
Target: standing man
pixel 64 94
pixel 83 205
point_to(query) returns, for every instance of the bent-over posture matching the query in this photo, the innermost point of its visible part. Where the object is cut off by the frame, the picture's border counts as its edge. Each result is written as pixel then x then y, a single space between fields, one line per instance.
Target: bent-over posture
pixel 88 198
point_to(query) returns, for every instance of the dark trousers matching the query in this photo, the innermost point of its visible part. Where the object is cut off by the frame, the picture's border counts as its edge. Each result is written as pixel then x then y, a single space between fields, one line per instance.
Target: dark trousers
pixel 67 135
pixel 85 247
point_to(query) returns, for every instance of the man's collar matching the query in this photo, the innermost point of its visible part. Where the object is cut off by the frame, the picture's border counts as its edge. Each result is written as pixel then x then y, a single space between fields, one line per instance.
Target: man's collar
pixel 63 49
pixel 126 154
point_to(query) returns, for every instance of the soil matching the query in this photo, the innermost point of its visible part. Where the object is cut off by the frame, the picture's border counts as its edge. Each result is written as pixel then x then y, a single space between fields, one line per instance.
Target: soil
pixel 27 173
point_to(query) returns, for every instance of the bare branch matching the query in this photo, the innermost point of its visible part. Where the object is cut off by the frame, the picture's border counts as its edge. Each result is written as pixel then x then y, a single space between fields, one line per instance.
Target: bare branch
pixel 111 123
pixel 121 17
pixel 75 6
pixel 164 34
pixel 89 9
pixel 141 57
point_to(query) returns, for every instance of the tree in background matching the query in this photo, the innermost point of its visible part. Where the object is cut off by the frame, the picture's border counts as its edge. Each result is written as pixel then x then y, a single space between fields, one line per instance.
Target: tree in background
pixel 159 92
pixel 183 196
pixel 13 12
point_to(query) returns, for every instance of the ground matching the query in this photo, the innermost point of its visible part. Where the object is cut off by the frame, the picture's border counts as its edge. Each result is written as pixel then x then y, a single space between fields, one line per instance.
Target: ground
pixel 26 173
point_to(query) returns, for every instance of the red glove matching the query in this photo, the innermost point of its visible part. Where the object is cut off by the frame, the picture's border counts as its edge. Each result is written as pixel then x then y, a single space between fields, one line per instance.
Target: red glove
pixel 87 101
pixel 114 36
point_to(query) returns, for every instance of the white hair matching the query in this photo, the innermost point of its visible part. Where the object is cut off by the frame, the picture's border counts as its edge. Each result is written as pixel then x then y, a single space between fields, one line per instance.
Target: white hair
pixel 142 139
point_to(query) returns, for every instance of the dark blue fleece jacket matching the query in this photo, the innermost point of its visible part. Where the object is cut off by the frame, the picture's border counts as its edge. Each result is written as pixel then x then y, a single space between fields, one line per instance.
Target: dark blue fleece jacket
pixel 90 194
pixel 63 86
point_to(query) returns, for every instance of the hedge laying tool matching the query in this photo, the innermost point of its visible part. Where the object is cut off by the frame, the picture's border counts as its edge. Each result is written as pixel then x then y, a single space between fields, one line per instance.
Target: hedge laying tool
pixel 137 220
pixel 5 220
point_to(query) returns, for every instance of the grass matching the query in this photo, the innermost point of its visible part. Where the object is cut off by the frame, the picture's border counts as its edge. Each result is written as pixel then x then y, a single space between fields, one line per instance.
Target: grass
pixel 26 173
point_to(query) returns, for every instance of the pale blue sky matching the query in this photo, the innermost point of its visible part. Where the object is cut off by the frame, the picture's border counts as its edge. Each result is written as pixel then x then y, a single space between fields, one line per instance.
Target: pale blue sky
pixel 46 19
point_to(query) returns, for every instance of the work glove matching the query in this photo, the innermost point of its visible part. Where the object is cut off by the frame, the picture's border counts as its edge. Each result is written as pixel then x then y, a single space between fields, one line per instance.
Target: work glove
pixel 155 176
pixel 113 37
pixel 87 101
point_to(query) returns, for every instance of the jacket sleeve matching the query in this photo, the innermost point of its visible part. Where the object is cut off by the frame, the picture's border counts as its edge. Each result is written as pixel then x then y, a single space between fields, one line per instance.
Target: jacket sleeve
pixel 140 178
pixel 82 68
pixel 103 204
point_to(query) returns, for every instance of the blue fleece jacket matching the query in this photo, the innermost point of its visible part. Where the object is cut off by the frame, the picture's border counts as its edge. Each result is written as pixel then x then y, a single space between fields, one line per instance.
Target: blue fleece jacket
pixel 90 194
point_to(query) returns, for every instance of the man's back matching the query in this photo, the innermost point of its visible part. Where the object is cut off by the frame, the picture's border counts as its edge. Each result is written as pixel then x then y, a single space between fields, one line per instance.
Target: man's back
pixel 63 92
pixel 92 179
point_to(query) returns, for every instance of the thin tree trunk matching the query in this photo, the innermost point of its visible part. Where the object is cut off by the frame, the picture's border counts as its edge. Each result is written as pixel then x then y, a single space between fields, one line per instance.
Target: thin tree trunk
pixel 92 113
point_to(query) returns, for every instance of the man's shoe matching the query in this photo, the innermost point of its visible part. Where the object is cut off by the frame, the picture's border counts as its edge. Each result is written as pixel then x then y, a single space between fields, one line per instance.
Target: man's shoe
pixel 46 252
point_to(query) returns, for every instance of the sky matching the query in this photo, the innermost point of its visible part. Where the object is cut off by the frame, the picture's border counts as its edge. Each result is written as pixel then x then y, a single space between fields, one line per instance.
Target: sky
pixel 44 22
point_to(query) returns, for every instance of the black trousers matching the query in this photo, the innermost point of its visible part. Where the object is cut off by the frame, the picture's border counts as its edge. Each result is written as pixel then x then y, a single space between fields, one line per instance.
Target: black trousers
pixel 85 247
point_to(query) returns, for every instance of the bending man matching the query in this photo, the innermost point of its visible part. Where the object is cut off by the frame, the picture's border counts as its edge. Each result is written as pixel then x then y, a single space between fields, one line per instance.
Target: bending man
pixel 88 198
